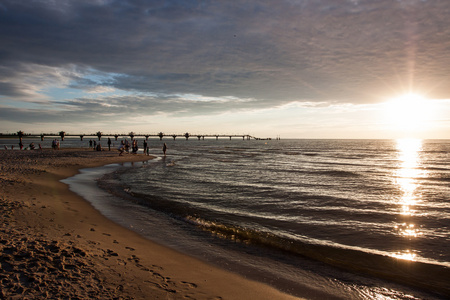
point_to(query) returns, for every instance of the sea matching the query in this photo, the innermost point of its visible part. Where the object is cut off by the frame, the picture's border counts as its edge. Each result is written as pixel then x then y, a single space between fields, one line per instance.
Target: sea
pixel 320 219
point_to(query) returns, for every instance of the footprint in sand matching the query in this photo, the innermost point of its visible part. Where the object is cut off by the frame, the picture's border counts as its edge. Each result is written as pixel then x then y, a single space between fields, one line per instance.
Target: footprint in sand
pixel 189 284
pixel 142 268
pixel 111 253
pixel 134 258
pixel 121 262
pixel 158 267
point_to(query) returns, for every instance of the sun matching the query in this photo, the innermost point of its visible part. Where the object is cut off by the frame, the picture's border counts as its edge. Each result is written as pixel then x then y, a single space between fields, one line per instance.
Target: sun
pixel 409 112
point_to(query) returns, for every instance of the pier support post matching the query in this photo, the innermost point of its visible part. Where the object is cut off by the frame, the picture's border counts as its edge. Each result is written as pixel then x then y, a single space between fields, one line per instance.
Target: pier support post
pixel 81 137
pixel 116 136
pixel 174 136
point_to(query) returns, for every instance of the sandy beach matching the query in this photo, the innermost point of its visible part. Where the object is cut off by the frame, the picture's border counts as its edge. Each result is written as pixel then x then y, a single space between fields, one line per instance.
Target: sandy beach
pixel 54 244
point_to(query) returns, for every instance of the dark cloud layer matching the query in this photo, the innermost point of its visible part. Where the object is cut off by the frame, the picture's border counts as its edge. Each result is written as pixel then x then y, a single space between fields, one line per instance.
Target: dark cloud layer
pixel 271 51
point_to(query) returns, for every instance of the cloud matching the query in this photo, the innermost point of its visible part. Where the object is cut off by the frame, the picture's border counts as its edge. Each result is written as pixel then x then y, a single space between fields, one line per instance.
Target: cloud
pixel 126 107
pixel 273 52
pixel 25 81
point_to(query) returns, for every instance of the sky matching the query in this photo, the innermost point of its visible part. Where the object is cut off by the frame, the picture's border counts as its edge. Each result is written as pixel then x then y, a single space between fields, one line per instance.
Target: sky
pixel 293 69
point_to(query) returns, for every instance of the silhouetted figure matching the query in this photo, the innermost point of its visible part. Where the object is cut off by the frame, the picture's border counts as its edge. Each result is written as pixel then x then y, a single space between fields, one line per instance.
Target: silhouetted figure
pixel 135 146
pixel 109 144
pixel 121 148
pixel 164 149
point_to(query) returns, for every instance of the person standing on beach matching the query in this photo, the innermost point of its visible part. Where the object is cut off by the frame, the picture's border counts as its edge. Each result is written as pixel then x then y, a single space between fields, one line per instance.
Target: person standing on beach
pixel 145 146
pixel 135 146
pixel 164 149
pixel 121 148
pixel 127 146
pixel 109 144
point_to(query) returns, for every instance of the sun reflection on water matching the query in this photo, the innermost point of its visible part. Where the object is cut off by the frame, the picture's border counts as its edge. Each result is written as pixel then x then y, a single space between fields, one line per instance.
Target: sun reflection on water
pixel 407 173
pixel 406 255
pixel 407 179
pixel 408 230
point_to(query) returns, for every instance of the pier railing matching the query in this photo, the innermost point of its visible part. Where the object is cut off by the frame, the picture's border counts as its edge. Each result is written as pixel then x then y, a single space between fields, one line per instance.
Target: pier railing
pixel 132 135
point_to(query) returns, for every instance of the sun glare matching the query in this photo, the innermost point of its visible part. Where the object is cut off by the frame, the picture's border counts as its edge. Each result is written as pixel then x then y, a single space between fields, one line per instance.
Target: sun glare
pixel 409 112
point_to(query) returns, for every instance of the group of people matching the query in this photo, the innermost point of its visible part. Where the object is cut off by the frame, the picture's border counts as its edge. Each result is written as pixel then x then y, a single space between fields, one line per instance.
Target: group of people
pixel 55 144
pixel 31 146
pixel 98 146
pixel 125 147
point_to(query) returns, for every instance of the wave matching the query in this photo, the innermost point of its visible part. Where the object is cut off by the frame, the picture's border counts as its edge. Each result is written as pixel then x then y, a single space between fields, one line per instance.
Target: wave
pixel 338 173
pixel 436 179
pixel 295 153
pixel 333 173
pixel 428 275
pixel 434 169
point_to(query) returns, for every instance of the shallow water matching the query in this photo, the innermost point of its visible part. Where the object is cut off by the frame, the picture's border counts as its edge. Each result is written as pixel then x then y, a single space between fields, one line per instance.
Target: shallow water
pixel 289 212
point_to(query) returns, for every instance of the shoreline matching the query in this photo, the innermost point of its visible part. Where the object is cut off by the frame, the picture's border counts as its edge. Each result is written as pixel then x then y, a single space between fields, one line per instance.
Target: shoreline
pixel 56 244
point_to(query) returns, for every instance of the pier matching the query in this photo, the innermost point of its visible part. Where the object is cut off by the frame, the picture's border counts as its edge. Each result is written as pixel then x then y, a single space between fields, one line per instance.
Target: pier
pixel 132 135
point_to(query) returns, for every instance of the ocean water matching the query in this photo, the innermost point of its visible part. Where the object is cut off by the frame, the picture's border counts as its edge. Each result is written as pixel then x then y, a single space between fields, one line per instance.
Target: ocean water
pixel 348 219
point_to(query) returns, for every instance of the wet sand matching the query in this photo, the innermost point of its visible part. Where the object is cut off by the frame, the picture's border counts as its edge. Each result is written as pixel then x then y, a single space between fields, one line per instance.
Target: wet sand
pixel 54 244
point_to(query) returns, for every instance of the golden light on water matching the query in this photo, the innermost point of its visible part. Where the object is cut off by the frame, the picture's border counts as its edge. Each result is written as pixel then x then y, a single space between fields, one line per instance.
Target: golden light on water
pixel 407 172
pixel 407 255
pixel 406 177
pixel 408 230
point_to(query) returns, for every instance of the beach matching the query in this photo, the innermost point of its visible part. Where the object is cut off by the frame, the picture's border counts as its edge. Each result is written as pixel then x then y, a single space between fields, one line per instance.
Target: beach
pixel 54 244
